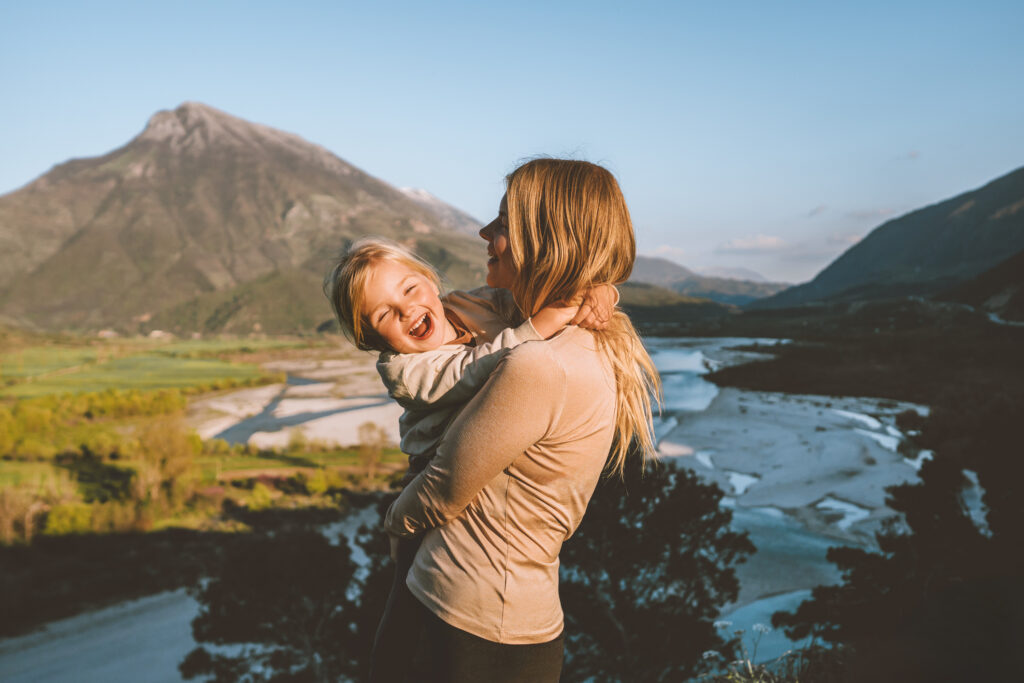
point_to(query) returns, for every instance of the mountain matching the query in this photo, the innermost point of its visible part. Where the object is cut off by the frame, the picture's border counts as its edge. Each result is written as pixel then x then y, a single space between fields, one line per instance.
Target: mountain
pixel 665 273
pixel 998 291
pixel 205 222
pixel 728 290
pixel 658 271
pixel 734 274
pixel 448 215
pixel 925 251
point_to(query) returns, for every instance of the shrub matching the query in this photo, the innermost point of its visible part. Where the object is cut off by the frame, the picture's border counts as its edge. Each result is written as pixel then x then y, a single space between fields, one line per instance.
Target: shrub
pixel 645 576
pixel 261 498
pixel 70 518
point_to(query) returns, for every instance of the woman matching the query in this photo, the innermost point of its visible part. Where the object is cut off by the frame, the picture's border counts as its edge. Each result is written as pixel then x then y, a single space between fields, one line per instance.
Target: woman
pixel 516 469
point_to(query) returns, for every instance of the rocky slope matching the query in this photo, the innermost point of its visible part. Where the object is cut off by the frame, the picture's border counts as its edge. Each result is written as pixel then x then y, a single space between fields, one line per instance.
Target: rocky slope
pixel 199 204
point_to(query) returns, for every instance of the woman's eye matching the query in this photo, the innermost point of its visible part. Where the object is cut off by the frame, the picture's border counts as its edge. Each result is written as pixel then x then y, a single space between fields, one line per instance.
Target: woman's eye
pixel 410 288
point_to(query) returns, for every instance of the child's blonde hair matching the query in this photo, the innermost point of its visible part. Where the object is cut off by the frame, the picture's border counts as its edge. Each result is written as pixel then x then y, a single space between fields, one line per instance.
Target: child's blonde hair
pixel 345 286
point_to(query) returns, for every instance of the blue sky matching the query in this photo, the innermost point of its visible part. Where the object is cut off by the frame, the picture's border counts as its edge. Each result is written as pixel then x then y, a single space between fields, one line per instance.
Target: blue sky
pixel 762 135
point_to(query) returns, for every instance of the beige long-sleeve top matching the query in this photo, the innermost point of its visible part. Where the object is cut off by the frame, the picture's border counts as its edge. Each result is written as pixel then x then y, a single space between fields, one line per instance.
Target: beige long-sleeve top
pixel 510 483
pixel 432 386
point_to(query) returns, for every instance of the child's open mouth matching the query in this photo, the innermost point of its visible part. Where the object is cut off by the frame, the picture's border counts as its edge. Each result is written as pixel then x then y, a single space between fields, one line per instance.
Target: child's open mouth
pixel 423 328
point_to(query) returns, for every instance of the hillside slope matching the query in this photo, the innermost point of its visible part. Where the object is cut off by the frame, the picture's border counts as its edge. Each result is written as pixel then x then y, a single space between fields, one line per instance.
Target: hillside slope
pixel 999 290
pixel 200 202
pixel 726 290
pixel 925 251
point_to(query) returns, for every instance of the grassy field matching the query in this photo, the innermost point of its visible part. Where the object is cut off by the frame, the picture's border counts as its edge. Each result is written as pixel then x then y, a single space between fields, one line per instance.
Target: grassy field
pixel 43 360
pixel 222 346
pixel 134 372
pixel 91 365
pixel 245 466
pixel 106 493
pixel 24 474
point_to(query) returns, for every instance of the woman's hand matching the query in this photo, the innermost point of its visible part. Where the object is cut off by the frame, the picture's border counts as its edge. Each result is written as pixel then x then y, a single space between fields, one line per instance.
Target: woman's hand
pixel 597 308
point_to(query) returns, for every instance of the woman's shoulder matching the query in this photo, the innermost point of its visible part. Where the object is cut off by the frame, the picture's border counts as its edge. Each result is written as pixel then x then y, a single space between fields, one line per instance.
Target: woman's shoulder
pixel 571 351
pixel 533 357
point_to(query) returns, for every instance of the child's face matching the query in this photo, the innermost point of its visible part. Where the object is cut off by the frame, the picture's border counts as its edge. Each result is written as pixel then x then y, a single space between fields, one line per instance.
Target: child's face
pixel 404 308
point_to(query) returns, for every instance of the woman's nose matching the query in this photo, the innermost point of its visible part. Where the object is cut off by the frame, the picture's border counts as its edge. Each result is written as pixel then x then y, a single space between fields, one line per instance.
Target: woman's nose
pixel 486 231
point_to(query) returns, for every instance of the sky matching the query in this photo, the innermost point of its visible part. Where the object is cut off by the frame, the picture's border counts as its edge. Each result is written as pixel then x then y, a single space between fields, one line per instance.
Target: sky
pixel 762 135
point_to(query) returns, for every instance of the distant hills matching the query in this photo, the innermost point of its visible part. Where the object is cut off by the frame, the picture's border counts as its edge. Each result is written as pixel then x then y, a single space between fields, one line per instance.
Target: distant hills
pixel 734 274
pixel 203 222
pixel 726 290
pixel 924 252
pixel 208 223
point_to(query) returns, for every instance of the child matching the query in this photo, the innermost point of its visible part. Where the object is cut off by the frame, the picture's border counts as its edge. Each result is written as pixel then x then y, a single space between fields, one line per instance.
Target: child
pixel 432 360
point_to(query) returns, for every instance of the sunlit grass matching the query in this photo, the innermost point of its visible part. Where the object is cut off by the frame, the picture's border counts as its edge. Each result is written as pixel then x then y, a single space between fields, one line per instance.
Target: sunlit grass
pixel 40 360
pixel 217 346
pixel 23 474
pixel 131 363
pixel 135 372
pixel 214 465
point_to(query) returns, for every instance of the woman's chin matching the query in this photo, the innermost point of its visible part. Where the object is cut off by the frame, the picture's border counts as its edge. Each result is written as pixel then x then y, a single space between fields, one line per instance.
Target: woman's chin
pixel 497 282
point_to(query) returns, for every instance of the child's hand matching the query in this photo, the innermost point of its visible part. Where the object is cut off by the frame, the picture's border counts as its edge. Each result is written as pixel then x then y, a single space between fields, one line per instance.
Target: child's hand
pixel 597 308
pixel 550 319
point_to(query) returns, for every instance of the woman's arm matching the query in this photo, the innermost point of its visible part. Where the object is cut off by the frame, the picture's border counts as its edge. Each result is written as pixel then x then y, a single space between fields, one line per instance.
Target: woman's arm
pixel 515 409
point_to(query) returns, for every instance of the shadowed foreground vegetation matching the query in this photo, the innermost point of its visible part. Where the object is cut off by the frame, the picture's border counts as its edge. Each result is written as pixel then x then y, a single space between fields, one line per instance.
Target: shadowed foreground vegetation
pixel 633 611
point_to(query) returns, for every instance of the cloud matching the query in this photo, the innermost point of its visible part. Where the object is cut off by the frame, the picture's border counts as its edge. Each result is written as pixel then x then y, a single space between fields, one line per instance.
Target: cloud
pixel 670 252
pixel 754 244
pixel 816 211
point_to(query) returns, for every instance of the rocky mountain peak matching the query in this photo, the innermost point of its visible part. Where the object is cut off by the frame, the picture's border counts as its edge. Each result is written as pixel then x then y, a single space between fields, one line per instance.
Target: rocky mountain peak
pixel 182 124
pixel 193 128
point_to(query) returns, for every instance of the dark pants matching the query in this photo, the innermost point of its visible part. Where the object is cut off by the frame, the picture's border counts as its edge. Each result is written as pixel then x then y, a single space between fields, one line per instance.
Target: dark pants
pixel 455 656
pixel 447 654
pixel 398 634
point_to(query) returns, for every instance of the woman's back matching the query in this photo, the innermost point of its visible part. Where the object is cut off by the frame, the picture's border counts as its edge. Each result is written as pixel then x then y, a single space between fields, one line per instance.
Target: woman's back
pixel 511 482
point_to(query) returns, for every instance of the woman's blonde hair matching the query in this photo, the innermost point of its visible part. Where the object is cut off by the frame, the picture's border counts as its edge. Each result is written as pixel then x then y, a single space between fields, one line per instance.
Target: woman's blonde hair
pixel 569 229
pixel 345 286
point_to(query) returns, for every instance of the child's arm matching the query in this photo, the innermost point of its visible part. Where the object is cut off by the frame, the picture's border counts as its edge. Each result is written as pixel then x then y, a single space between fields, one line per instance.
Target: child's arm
pixel 552 318
pixel 593 312
pixel 447 376
pixel 597 308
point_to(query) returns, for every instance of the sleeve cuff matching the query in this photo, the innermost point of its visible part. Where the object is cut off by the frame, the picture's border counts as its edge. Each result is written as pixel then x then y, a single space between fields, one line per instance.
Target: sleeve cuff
pixel 527 332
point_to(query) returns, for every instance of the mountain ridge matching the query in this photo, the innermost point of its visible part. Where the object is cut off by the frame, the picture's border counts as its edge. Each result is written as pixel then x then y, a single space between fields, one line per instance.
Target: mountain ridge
pixel 662 272
pixel 924 251
pixel 199 201
pixel 206 222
